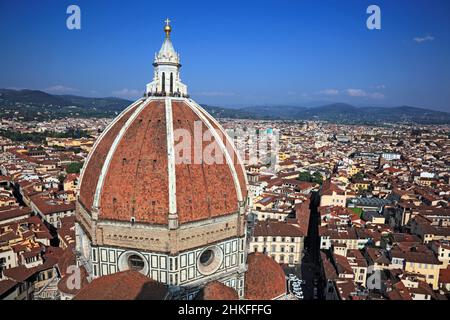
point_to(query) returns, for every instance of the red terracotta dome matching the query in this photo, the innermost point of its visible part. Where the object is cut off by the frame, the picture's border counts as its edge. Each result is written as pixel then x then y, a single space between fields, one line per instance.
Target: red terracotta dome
pixel 216 290
pixel 134 169
pixel 126 285
pixel 264 279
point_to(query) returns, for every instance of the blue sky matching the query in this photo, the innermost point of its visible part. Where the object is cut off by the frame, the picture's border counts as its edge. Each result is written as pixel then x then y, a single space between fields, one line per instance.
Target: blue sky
pixel 235 53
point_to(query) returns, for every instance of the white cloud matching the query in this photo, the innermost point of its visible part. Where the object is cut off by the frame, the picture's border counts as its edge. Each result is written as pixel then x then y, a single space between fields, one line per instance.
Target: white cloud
pixel 127 93
pixel 356 93
pixel 423 39
pixel 60 89
pixel 329 92
pixel 362 93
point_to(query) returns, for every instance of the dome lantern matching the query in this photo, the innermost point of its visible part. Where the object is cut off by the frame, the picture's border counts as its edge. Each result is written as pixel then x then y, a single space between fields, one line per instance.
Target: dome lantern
pixel 166 79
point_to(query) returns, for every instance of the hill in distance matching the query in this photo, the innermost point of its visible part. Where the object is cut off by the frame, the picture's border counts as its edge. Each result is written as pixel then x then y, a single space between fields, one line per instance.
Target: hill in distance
pixel 38 105
pixel 36 97
pixel 29 105
pixel 343 113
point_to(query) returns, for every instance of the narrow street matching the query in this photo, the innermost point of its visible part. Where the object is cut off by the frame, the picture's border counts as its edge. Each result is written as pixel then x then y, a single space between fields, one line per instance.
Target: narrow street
pixel 310 268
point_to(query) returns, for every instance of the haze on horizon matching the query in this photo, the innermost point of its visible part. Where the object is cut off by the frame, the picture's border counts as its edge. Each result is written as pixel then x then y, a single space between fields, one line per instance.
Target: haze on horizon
pixel 235 53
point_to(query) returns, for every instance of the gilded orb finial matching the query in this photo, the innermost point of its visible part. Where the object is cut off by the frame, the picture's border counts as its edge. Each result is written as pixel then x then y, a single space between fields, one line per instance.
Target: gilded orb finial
pixel 167 28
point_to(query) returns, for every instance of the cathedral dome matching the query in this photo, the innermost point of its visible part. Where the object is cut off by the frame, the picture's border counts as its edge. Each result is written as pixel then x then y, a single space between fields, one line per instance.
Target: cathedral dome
pixel 264 279
pixel 163 192
pixel 137 172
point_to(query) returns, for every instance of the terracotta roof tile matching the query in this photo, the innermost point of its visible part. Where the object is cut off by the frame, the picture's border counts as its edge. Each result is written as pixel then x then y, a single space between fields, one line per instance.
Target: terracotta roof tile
pixel 92 171
pixel 126 285
pixel 216 290
pixel 264 279
pixel 6 285
pixel 136 183
pixel 277 228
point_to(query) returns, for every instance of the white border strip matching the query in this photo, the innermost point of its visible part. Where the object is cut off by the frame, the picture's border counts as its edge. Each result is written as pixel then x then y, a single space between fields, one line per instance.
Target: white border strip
pixel 171 158
pixel 212 119
pixel 112 150
pixel 100 138
pixel 222 147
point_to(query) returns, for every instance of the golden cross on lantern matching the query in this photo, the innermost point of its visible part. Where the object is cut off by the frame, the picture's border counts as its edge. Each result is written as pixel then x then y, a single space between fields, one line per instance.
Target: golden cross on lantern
pixel 167 28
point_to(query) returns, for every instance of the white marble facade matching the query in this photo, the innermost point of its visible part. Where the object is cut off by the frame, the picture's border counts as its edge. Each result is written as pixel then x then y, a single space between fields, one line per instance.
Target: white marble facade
pixel 183 270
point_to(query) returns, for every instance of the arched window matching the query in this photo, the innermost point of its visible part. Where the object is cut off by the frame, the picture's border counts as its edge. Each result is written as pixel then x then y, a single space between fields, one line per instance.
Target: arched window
pixel 163 84
pixel 171 83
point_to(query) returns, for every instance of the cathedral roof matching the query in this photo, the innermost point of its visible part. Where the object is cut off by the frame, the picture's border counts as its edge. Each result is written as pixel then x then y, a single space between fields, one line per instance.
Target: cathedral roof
pixel 65 284
pixel 126 285
pixel 264 279
pixel 216 290
pixel 135 170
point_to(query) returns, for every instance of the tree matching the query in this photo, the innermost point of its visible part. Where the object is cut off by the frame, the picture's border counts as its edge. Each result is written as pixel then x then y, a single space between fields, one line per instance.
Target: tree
pixel 358 211
pixel 304 176
pixel 74 167
pixel 317 177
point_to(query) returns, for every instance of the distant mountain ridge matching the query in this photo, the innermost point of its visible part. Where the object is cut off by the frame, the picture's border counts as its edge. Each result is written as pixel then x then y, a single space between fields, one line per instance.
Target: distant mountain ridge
pixel 348 113
pixel 337 112
pixel 28 103
pixel 37 97
pixel 36 105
